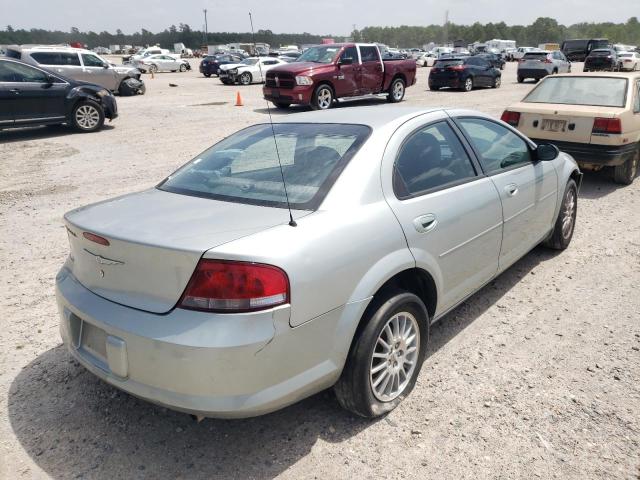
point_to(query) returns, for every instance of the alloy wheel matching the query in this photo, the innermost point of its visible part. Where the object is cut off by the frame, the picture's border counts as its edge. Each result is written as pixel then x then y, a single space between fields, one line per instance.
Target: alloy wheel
pixel 87 117
pixel 568 213
pixel 468 84
pixel 398 90
pixel 245 79
pixel 497 82
pixel 395 357
pixel 325 97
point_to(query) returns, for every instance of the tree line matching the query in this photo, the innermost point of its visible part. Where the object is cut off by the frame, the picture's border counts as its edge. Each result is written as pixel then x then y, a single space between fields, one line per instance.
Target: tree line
pixel 544 29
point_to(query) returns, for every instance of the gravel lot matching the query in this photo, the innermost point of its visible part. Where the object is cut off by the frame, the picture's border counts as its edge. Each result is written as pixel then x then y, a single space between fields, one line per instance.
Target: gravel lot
pixel 536 376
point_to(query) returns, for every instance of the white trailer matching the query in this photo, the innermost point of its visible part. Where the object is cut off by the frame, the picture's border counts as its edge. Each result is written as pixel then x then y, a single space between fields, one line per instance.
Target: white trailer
pixel 500 45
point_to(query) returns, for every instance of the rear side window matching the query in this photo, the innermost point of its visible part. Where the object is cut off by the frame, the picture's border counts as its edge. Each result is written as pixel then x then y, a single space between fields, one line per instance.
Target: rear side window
pixel 431 158
pixel 369 54
pixel 498 147
pixel 244 167
pixel 56 58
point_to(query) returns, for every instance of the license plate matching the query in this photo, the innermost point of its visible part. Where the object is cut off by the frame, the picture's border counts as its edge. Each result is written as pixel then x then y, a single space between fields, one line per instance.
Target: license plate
pixel 554 125
pixel 94 340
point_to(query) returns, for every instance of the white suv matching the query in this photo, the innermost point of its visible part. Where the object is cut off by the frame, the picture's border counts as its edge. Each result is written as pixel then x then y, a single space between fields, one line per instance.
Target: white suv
pixel 78 64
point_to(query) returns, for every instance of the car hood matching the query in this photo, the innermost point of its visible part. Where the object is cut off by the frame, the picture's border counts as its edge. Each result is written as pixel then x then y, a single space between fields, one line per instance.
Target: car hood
pixel 125 70
pixel 229 66
pixel 155 240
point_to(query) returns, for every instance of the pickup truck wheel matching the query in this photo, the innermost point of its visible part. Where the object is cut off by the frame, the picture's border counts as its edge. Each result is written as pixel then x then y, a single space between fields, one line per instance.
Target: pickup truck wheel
pixel 386 356
pixel 468 84
pixel 245 78
pixel 396 91
pixel 624 174
pixel 562 232
pixel 282 105
pixel 322 98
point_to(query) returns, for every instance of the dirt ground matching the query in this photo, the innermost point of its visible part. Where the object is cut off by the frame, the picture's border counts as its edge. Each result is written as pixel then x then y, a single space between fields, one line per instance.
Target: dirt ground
pixel 535 376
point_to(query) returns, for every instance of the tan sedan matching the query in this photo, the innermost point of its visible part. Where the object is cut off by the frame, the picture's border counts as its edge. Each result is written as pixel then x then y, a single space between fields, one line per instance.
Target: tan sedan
pixel 595 117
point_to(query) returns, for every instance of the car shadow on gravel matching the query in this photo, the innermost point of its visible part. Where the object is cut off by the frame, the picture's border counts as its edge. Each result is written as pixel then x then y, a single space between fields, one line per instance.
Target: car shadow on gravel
pixel 75 426
pixel 598 184
pixel 37 133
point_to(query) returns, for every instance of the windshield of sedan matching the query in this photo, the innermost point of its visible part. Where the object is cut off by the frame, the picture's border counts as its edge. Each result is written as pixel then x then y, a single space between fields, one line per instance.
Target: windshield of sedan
pixel 595 91
pixel 319 54
pixel 249 61
pixel 244 167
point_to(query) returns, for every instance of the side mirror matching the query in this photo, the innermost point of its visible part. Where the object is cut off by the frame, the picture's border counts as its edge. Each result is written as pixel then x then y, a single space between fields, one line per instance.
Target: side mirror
pixel 547 152
pixel 50 79
pixel 346 61
pixel 105 65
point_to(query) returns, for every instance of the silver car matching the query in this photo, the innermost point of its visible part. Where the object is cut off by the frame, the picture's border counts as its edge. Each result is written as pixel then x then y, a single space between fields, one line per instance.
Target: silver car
pixel 208 295
pixel 539 64
pixel 76 63
pixel 161 63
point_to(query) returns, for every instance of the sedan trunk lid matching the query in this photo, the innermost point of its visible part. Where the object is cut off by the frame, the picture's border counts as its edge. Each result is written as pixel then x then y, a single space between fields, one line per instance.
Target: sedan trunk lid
pixel 155 240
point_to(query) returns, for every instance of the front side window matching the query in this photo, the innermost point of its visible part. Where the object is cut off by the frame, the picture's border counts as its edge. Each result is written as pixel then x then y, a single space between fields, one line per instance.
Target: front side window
pixel 350 52
pixel 324 54
pixel 245 168
pixel 431 158
pixel 16 72
pixel 498 147
pixel 91 60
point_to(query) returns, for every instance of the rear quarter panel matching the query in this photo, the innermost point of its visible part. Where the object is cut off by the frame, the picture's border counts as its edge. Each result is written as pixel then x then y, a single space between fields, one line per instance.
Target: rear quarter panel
pixel 404 68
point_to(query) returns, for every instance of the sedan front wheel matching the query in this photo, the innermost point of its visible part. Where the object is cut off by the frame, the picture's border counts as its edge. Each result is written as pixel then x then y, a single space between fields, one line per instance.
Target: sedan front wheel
pixel 387 355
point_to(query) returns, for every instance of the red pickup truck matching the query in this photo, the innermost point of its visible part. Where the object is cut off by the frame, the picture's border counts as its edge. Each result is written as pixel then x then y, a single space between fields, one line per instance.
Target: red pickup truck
pixel 324 73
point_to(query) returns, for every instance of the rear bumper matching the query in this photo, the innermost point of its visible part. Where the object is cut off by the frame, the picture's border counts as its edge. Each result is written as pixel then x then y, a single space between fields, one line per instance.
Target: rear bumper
pixel 532 73
pixel 592 155
pixel 453 82
pixel 300 94
pixel 216 365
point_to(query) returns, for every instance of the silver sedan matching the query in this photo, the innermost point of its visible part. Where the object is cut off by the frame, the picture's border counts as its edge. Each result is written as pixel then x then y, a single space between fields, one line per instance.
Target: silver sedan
pixel 208 295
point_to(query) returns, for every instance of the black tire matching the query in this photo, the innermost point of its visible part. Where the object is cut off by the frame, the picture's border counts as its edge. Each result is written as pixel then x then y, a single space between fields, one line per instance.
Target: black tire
pixel 468 84
pixel 434 88
pixel 183 68
pixel 245 79
pixel 131 86
pixel 207 75
pixel 625 174
pixel 282 105
pixel 226 82
pixel 561 235
pixel 153 68
pixel 497 81
pixel 554 72
pixel 396 91
pixel 322 98
pixel 520 79
pixel 354 388
pixel 87 116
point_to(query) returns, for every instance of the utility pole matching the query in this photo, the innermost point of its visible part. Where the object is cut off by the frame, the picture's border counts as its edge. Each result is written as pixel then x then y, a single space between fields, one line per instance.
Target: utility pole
pixel 446 27
pixel 206 29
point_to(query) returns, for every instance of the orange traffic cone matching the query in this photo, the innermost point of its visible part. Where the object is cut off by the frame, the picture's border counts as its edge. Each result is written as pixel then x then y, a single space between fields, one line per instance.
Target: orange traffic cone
pixel 239 100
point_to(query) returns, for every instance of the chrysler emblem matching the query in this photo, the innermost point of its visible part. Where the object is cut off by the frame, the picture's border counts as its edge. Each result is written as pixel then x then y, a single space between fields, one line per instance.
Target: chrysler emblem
pixel 277 81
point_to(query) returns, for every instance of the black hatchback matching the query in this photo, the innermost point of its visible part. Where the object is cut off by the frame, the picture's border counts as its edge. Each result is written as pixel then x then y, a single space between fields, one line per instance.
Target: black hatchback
pixel 602 59
pixel 464 73
pixel 36 96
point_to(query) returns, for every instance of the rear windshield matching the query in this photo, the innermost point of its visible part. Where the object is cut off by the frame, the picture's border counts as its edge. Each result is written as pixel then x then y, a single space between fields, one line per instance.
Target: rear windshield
pixel 535 55
pixel 244 167
pixel 596 91
pixel 447 63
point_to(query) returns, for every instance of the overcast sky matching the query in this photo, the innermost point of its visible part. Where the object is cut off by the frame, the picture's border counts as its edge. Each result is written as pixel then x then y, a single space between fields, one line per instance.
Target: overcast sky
pixel 296 16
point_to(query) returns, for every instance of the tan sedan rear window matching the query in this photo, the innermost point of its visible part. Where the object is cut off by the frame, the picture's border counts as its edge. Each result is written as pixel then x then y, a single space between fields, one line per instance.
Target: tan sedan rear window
pixel 596 91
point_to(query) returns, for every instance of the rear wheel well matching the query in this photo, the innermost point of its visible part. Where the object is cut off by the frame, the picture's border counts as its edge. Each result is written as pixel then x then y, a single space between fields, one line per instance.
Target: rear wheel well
pixel 400 76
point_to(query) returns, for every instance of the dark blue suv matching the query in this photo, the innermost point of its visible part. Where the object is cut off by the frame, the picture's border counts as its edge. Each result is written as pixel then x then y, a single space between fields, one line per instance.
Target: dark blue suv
pixel 210 65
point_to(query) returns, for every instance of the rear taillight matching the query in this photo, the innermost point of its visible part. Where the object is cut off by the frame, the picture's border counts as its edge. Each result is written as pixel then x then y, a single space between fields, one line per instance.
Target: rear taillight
pixel 96 238
pixel 456 68
pixel 512 118
pixel 606 125
pixel 231 287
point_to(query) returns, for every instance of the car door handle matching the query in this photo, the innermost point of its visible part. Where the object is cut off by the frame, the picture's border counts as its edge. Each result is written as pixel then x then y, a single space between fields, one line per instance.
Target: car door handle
pixel 15 91
pixel 425 223
pixel 511 189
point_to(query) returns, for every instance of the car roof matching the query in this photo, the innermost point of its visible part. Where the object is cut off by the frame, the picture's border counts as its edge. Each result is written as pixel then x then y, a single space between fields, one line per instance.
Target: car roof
pixel 48 48
pixel 372 116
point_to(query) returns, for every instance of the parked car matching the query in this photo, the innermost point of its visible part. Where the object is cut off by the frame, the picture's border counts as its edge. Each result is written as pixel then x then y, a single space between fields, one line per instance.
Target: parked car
pixel 495 59
pixel 464 73
pixel 250 70
pixel 325 73
pixel 31 95
pixel 427 59
pixel 629 61
pixel 210 65
pixel 202 294
pixel 79 64
pixel 289 56
pixel 539 64
pixel 577 50
pixel 520 52
pixel 602 59
pixel 595 117
pixel 508 54
pixel 162 63
pixel 146 52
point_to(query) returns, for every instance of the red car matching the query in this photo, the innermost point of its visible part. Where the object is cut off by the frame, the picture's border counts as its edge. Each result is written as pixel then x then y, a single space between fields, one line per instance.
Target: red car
pixel 325 73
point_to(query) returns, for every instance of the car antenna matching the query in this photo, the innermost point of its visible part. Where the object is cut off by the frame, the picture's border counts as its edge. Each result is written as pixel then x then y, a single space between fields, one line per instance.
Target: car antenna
pixel 292 222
